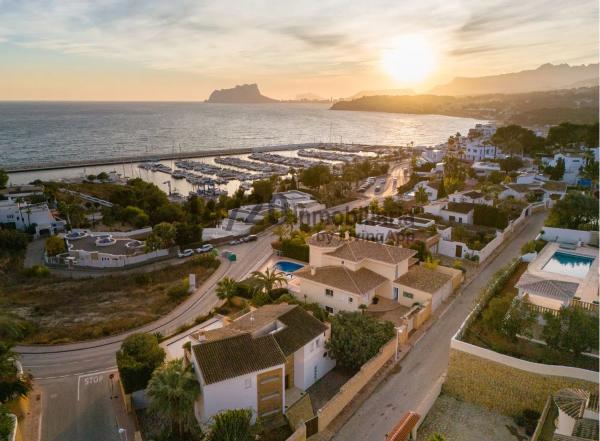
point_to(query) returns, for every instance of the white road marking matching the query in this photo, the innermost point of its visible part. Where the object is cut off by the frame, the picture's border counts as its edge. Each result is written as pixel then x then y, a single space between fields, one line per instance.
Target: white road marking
pixel 91 378
pixel 76 374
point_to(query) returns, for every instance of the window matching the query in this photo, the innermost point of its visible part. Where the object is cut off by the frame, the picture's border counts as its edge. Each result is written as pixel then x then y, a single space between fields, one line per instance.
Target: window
pixel 408 295
pixel 329 309
pixel 329 292
pixel 315 373
pixel 395 293
pixel 248 383
pixel 324 354
pixel 350 299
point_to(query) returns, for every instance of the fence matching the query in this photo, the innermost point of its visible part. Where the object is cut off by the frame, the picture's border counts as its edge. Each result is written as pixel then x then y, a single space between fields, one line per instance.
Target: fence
pixel 349 390
pixel 592 307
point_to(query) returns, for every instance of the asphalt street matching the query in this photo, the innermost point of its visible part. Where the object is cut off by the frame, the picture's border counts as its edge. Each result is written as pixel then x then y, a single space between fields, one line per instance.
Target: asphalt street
pixel 428 359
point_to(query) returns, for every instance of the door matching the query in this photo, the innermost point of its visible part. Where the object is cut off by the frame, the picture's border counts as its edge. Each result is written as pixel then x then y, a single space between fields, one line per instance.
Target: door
pixel 312 426
pixel 458 251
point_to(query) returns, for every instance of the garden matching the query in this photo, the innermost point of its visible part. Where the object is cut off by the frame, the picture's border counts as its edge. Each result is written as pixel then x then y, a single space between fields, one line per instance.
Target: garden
pixel 504 320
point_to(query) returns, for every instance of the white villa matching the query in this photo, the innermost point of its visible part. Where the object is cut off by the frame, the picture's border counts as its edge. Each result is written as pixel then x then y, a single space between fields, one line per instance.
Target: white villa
pixel 261 361
pixel 302 204
pixel 105 250
pixel 475 150
pixel 572 165
pixel 460 212
pixel 470 197
pixel 430 187
pixel 23 216
pixel 344 274
pixel 485 168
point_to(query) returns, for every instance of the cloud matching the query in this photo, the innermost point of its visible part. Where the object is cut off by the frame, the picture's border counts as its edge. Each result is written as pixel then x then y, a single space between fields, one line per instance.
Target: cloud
pixel 266 37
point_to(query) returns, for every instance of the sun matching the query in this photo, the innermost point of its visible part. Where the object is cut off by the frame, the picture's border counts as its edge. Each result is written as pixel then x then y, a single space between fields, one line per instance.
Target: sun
pixel 409 59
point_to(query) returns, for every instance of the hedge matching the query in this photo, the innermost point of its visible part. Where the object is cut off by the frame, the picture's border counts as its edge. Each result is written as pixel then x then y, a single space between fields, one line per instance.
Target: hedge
pixel 294 250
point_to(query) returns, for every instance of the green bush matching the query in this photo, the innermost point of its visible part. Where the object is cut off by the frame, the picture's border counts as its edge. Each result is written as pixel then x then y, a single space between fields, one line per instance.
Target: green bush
pixel 295 249
pixel 528 419
pixel 261 298
pixel 36 271
pixel 206 260
pixel 13 240
pixel 139 355
pixel 180 291
pixel 528 247
pixel 489 216
pixel 6 424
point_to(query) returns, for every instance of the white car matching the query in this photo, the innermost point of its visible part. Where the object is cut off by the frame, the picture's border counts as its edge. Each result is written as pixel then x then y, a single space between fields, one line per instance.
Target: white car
pixel 185 253
pixel 235 242
pixel 204 248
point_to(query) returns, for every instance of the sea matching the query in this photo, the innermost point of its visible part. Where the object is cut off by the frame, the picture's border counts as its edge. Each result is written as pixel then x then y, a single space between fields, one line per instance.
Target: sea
pixel 61 132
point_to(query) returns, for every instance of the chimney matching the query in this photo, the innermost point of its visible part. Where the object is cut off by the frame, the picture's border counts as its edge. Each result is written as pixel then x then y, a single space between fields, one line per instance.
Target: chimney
pixel 313 271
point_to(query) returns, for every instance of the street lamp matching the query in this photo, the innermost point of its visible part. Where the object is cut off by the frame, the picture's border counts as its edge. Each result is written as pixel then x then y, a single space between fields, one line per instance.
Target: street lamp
pixel 121 432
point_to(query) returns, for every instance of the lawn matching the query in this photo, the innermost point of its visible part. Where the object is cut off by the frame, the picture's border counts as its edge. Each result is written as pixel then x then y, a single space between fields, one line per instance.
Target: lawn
pixel 482 335
pixel 62 310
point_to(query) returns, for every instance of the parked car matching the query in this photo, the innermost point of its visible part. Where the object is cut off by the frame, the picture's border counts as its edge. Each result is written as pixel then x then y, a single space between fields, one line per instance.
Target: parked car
pixel 205 248
pixel 235 241
pixel 185 253
pixel 377 188
pixel 250 238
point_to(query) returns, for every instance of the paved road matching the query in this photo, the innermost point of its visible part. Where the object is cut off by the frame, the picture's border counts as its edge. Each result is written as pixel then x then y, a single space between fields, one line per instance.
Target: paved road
pixel 428 360
pixel 73 378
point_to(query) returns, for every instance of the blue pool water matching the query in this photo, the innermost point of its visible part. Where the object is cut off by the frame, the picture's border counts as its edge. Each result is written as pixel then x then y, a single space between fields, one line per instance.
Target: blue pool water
pixel 287 267
pixel 569 264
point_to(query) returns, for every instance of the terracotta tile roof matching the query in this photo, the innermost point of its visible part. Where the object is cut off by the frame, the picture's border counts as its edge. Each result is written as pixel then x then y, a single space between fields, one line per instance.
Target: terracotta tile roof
pixel 340 277
pixel 357 250
pixel 231 357
pixel 474 194
pixel 404 428
pixel 573 402
pixel 586 428
pixel 459 207
pixel 423 279
pixel 554 289
pixel 301 328
pixel 243 347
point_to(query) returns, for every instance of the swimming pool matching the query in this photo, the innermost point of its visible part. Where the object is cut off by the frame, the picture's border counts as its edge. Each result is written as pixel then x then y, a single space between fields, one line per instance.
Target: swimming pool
pixel 569 264
pixel 287 267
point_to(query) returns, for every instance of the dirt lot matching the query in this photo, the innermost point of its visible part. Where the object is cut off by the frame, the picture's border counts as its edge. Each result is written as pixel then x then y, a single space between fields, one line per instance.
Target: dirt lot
pixel 460 421
pixel 61 310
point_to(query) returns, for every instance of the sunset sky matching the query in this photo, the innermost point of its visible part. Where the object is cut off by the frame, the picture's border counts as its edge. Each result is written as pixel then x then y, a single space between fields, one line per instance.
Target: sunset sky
pixel 182 50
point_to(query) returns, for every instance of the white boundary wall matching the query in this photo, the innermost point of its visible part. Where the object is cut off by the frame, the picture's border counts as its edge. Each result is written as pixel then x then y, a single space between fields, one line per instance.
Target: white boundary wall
pixel 552 234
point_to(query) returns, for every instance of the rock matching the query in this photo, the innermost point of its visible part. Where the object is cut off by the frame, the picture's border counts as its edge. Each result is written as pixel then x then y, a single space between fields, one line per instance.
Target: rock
pixel 246 93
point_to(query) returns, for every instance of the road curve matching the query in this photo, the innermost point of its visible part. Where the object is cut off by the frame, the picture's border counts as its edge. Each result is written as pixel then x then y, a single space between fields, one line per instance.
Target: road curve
pixel 51 361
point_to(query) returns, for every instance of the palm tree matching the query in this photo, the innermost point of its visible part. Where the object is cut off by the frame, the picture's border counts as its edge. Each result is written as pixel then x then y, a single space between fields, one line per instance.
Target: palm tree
pixel 226 289
pixel 173 389
pixel 421 196
pixel 269 279
pixel 12 384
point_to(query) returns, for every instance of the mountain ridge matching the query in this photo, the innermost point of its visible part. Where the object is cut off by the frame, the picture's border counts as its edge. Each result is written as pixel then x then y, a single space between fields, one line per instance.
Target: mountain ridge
pixel 545 77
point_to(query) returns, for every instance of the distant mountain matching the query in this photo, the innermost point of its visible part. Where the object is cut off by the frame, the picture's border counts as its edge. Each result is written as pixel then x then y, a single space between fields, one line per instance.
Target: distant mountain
pixel 244 94
pixel 546 77
pixel 388 92
pixel 576 105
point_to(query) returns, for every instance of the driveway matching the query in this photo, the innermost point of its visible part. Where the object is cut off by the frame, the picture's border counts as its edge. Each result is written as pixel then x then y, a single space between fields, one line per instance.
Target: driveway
pixel 428 360
pixel 35 253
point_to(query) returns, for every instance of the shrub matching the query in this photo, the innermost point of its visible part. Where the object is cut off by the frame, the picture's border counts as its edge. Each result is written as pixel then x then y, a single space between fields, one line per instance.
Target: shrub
pixel 207 260
pixel 55 245
pixel 139 355
pixel 179 291
pixel 6 423
pixel 13 240
pixel 278 292
pixel 356 338
pixel 489 216
pixel 528 247
pixel 528 419
pixel 260 298
pixel 36 271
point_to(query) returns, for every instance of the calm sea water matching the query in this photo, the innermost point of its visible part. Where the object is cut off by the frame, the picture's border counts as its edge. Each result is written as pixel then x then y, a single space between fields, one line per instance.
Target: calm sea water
pixel 34 132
